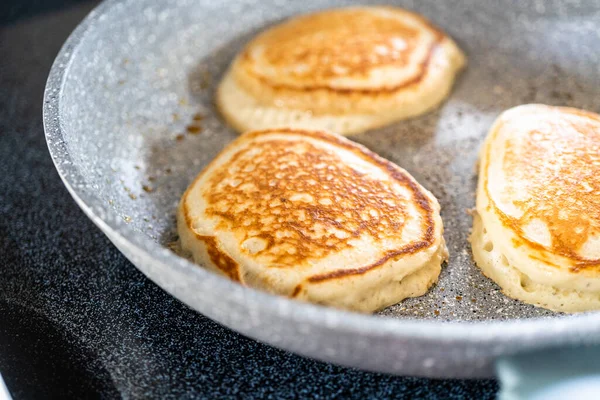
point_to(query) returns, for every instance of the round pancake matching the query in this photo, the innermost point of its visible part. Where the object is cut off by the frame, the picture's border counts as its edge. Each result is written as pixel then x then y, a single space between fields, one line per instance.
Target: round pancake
pixel 346 70
pixel 539 203
pixel 313 216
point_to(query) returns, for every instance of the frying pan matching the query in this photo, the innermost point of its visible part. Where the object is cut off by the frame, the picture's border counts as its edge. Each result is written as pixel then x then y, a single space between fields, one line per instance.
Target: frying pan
pixel 129 121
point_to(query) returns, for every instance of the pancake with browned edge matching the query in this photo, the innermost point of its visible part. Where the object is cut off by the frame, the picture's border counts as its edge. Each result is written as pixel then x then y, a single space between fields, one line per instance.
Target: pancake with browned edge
pixel 315 217
pixel 537 228
pixel 347 70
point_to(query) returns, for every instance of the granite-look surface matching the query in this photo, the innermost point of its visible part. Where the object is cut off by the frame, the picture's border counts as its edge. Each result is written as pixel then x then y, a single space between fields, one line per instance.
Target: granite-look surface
pixel 79 321
pixel 131 78
pixel 141 71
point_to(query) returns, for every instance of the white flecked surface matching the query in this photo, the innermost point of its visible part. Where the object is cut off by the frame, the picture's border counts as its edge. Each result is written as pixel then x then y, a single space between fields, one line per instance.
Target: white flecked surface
pixel 140 71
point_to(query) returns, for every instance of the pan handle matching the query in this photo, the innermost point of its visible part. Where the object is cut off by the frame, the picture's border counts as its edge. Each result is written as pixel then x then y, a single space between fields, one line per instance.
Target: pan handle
pixel 551 374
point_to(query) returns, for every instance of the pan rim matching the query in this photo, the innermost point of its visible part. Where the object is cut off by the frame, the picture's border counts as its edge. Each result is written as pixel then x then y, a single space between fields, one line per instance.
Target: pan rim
pixel 547 331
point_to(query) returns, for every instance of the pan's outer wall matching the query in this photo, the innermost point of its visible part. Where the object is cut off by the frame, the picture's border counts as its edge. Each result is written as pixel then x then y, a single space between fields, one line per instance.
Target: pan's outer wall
pixel 399 346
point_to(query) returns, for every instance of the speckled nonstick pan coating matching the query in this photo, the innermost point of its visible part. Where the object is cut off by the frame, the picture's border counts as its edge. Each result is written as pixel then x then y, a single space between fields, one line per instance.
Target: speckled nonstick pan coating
pixel 130 120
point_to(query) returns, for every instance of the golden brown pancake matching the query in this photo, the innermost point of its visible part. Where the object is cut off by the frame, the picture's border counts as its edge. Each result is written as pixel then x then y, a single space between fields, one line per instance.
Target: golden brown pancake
pixel 347 70
pixel 313 216
pixel 537 232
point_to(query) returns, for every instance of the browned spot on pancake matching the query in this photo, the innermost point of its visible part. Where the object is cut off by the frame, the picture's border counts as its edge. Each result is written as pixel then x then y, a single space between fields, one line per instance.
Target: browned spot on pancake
pixel 225 263
pixel 296 291
pixel 313 50
pixel 260 194
pixel 560 162
pixel 301 201
pixel 359 271
pixel 328 44
pixel 540 256
pixel 384 90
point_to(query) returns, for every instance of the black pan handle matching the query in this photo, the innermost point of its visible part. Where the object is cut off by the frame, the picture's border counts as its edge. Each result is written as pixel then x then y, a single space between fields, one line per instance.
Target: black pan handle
pixel 551 374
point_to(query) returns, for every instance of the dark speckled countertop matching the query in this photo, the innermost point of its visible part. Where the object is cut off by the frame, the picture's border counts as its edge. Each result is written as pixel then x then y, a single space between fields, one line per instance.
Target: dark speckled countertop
pixel 77 320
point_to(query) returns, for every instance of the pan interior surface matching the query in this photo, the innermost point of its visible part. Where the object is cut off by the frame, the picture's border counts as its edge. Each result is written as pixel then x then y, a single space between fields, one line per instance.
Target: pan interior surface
pixel 138 118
